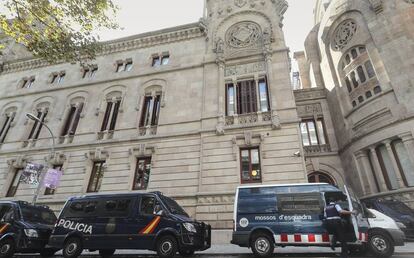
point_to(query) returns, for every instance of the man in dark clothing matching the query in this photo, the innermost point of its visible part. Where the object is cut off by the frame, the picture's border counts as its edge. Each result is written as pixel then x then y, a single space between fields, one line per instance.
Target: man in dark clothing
pixel 335 226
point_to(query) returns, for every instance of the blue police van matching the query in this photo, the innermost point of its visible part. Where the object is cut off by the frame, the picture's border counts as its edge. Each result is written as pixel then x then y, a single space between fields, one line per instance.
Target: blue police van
pixel 147 221
pixel 292 215
pixel 25 228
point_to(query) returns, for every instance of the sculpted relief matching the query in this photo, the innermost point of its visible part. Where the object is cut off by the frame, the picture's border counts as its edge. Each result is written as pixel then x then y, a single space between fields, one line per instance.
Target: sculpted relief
pixel 244 35
pixel 344 34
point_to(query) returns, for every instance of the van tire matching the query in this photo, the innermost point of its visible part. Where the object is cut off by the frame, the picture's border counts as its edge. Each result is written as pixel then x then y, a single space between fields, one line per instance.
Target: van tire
pixel 380 244
pixel 72 247
pixel 262 245
pixel 106 253
pixel 167 246
pixel 7 248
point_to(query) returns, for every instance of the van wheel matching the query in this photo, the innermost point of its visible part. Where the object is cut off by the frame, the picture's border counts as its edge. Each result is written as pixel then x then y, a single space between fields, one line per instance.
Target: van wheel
pixel 262 245
pixel 186 253
pixel 380 244
pixel 47 253
pixel 167 247
pixel 106 253
pixel 7 248
pixel 72 248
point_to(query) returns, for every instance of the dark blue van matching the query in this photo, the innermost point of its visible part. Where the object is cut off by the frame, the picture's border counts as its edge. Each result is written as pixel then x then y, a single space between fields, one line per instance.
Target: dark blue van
pixel 147 221
pixel 291 215
pixel 25 228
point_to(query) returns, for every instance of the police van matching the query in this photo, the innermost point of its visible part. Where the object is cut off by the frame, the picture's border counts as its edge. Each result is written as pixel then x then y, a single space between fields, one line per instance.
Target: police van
pixel 292 215
pixel 25 228
pixel 147 221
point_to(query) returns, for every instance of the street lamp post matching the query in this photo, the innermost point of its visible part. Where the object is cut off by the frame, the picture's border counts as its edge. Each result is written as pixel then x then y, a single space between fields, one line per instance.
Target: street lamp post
pixel 52 152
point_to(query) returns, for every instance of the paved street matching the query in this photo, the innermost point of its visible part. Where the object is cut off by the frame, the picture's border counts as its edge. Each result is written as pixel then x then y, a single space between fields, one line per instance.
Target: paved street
pixel 222 251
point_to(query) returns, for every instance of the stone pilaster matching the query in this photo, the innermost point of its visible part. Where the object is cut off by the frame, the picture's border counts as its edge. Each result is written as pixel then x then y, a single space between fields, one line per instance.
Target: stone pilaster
pixel 378 170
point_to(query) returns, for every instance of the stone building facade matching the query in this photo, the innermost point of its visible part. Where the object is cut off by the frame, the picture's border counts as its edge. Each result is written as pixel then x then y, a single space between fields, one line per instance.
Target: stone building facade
pixel 193 111
pixel 356 75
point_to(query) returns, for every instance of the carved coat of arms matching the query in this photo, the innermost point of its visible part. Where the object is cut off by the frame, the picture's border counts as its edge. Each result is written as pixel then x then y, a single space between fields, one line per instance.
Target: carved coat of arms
pixel 240 3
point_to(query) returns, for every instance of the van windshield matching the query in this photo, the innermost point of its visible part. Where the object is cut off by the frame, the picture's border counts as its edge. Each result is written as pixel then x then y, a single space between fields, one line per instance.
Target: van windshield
pixel 38 215
pixel 173 206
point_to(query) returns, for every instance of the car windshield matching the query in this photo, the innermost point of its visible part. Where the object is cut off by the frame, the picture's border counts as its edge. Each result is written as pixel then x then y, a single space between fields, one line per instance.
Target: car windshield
pixel 38 215
pixel 397 208
pixel 173 206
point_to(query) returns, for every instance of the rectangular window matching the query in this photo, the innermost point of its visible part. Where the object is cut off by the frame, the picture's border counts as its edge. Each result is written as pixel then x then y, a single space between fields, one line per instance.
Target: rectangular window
pixel 250 166
pixel 54 78
pixel 128 66
pixel 313 133
pixel 61 77
pixel 37 127
pixel 156 61
pixel 114 115
pixel 165 60
pixel 11 192
pixel 264 96
pixel 6 127
pixel 50 191
pixel 93 72
pixel 116 208
pixel 231 100
pixel 246 97
pixel 300 203
pixel 119 67
pixel 85 73
pixel 97 174
pixel 142 174
pixel 28 83
pixel 150 111
pixel 147 206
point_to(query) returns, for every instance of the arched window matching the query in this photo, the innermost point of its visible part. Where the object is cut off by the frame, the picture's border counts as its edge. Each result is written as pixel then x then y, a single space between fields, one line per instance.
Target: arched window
pixel 318 177
pixel 6 120
pixel 358 75
pixel 42 111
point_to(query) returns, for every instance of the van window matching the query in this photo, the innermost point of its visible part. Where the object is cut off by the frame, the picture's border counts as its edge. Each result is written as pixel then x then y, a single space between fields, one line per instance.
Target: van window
pixel 257 201
pixel 79 209
pixel 38 215
pixel 300 203
pixel 5 210
pixel 147 206
pixel 117 208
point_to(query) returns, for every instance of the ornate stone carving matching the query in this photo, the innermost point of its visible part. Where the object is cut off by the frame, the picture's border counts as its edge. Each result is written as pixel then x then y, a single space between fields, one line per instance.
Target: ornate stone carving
pixel 344 34
pixel 377 5
pixel 248 119
pixel 243 35
pixel 97 154
pixel 57 158
pixel 245 69
pixel 240 3
pixel 309 110
pixel 275 120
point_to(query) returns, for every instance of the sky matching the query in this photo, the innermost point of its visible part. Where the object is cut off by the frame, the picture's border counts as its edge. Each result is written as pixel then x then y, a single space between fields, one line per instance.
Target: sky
pixel 138 16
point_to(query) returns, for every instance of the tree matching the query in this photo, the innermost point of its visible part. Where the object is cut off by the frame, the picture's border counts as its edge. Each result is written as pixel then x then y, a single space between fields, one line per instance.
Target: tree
pixel 58 30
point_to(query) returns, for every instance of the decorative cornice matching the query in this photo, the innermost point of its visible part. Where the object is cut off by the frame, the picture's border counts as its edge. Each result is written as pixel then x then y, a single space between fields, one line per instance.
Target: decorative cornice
pixel 167 36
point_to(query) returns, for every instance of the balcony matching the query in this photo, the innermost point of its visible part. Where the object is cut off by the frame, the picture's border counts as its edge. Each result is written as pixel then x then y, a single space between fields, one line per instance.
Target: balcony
pixel 247 119
pixel 314 150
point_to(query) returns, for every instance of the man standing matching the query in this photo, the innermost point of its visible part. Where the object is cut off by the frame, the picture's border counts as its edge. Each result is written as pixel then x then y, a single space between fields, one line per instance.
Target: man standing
pixel 335 226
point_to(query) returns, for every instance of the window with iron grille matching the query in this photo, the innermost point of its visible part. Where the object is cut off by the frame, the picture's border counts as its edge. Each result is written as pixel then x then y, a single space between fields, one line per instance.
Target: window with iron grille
pixel 250 168
pixel 142 173
pixel 97 174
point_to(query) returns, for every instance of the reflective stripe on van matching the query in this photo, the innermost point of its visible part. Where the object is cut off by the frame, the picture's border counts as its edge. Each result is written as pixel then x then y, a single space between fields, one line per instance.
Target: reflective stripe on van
pixel 303 238
pixel 311 238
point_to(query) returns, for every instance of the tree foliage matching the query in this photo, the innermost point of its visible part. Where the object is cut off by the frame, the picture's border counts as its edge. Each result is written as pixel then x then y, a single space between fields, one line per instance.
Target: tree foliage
pixel 58 30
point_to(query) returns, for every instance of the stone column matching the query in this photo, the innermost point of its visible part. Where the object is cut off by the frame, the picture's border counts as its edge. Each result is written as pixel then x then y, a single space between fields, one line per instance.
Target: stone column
pixel 221 96
pixel 378 170
pixel 362 174
pixel 408 141
pixel 397 171
pixel 273 106
pixel 368 171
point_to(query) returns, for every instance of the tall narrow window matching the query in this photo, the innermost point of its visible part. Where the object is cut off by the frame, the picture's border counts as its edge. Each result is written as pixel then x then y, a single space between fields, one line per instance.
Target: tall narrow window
pixel 246 97
pixel 142 174
pixel 11 192
pixel 50 191
pixel 313 133
pixel 165 59
pixel 72 120
pixel 156 61
pixel 264 96
pixel 231 105
pixel 111 115
pixel 250 166
pixel 4 129
pixel 150 111
pixel 361 74
pixel 370 69
pixel 128 66
pixel 37 127
pixel 28 83
pixel 97 174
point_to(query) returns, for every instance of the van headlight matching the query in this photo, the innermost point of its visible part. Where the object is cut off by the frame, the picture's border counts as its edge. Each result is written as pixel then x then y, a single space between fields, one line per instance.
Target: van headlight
pixel 31 233
pixel 401 225
pixel 190 227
